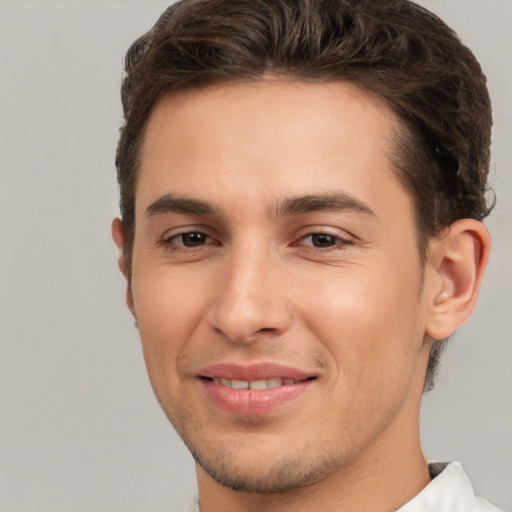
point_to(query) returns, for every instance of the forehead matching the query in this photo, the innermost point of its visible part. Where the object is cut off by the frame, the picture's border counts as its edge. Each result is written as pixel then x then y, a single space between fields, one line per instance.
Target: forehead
pixel 254 141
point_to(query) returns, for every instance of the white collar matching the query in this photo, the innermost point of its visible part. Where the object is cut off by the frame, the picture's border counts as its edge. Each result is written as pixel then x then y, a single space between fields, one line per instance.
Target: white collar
pixel 449 491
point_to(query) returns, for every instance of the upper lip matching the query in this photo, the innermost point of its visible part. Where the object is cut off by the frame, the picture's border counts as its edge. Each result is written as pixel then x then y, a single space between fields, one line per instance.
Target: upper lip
pixel 254 371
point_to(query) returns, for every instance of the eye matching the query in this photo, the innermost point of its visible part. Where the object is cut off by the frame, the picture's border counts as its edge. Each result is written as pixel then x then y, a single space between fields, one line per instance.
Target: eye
pixel 322 241
pixel 187 240
pixel 191 239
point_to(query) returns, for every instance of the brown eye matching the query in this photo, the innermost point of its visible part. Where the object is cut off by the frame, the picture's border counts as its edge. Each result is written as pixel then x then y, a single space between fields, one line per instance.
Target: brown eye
pixel 192 239
pixel 323 240
pixel 320 240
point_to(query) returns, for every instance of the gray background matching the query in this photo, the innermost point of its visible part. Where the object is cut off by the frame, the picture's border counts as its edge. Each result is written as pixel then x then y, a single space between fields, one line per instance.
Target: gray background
pixel 79 428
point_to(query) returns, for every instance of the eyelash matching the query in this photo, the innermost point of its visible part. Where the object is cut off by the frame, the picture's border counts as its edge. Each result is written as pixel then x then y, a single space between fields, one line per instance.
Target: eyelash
pixel 337 242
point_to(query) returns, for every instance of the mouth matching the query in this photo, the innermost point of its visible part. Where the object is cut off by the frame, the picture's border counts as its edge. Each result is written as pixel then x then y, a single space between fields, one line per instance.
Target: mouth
pixel 254 390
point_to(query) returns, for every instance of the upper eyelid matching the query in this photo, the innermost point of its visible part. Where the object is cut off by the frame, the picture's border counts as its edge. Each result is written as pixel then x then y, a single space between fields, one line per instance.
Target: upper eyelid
pixel 313 233
pixel 183 230
pixel 325 230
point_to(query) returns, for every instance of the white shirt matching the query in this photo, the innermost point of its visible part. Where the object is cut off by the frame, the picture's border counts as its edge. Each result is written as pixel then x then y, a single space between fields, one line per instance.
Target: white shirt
pixel 449 491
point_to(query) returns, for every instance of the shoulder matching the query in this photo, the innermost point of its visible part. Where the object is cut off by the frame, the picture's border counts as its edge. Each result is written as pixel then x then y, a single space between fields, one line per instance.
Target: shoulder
pixel 449 491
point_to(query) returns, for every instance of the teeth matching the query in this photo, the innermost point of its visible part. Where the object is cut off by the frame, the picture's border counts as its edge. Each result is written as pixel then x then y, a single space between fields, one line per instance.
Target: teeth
pixel 258 384
pixel 266 384
pixel 274 382
pixel 239 384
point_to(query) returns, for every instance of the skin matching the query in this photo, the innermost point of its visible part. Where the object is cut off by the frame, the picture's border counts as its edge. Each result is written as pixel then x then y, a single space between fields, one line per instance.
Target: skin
pixel 337 291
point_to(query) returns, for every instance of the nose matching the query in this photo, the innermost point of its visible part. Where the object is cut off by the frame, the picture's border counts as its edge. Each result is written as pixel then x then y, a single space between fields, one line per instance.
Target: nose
pixel 251 299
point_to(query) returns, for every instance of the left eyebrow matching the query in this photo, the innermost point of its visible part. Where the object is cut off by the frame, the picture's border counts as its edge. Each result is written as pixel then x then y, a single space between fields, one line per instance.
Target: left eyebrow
pixel 313 203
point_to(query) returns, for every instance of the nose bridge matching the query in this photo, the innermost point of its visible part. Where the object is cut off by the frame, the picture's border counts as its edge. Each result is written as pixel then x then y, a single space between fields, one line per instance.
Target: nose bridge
pixel 250 299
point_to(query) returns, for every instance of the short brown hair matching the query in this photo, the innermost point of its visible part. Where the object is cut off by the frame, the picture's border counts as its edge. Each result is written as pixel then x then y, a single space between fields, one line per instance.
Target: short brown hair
pixel 393 48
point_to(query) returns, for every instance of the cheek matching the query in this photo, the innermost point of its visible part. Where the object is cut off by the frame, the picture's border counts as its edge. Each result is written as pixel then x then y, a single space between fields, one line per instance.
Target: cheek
pixel 369 320
pixel 168 310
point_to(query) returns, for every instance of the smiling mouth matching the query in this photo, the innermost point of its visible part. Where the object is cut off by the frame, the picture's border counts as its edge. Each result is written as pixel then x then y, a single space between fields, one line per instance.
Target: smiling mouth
pixel 254 390
pixel 274 382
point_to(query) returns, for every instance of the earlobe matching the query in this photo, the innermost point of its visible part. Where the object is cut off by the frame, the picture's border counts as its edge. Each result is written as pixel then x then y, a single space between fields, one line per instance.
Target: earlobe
pixel 458 260
pixel 118 237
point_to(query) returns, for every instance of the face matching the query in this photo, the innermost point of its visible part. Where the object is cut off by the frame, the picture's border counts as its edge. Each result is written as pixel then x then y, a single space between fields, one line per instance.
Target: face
pixel 276 280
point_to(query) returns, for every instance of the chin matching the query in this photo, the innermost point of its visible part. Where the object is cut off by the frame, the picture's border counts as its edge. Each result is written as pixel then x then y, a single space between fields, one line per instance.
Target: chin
pixel 263 471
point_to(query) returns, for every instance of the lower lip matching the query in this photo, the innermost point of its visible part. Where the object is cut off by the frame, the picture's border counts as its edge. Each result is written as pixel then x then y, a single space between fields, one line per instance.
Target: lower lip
pixel 252 402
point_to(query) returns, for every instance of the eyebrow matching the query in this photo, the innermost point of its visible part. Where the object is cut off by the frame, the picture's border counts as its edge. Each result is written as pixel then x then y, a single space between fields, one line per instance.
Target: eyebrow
pixel 324 202
pixel 174 204
pixel 290 206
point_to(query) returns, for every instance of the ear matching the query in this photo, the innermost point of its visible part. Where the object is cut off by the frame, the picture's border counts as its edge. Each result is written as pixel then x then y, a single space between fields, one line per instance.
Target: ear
pixel 124 266
pixel 457 262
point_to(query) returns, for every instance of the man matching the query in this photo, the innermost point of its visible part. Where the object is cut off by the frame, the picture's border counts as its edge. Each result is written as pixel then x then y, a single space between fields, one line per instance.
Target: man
pixel 302 189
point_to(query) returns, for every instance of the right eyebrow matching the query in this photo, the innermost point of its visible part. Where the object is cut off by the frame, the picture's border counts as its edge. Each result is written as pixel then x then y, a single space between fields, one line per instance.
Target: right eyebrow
pixel 169 203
